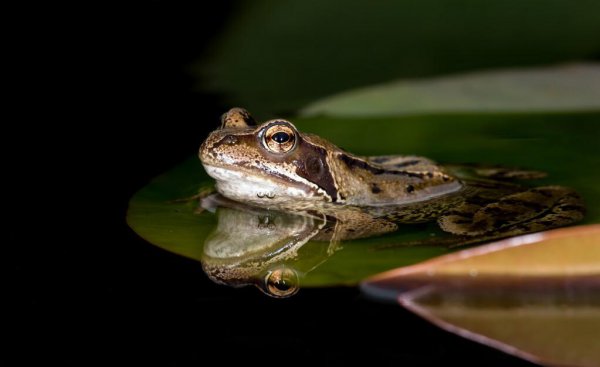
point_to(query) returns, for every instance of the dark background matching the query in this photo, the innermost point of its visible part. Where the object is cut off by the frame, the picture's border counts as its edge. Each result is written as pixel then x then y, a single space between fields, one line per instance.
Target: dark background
pixel 86 290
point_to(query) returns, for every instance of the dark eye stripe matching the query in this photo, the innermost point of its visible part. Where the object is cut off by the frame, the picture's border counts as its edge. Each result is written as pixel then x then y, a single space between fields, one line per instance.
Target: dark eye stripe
pixel 280 137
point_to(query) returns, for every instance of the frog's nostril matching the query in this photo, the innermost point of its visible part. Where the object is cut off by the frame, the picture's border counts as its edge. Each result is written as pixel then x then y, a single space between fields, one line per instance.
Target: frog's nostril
pixel 230 139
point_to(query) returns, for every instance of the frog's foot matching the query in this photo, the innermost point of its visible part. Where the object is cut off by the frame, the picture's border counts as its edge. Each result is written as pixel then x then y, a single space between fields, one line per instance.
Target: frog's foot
pixel 529 211
pixel 202 193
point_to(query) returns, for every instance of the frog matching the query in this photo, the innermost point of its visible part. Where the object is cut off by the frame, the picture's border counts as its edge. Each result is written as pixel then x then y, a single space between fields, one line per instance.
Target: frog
pixel 275 166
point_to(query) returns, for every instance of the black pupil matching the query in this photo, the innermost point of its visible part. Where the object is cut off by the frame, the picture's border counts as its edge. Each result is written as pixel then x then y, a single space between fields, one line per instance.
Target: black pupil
pixel 282 285
pixel 280 137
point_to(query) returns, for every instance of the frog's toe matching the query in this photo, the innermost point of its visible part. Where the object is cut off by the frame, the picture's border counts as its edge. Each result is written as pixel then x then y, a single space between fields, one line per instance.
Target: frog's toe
pixel 460 222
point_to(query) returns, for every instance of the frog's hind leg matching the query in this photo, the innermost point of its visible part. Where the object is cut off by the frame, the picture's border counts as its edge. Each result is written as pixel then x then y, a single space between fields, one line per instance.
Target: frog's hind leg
pixel 482 220
pixel 524 212
pixel 567 209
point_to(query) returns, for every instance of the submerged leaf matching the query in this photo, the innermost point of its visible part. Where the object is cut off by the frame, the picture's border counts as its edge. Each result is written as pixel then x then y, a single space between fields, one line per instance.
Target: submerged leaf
pixel 536 296
pixel 559 88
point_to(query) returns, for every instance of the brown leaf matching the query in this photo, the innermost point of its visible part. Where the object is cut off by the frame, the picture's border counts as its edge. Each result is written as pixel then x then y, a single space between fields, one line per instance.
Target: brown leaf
pixel 535 296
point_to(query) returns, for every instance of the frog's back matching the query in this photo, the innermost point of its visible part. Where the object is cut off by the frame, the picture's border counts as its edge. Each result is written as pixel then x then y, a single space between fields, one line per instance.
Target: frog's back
pixel 390 179
pixel 402 162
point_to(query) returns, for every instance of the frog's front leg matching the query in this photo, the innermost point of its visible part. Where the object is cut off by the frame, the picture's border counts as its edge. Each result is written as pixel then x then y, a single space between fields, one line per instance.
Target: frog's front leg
pixel 524 212
pixel 349 224
pixel 203 192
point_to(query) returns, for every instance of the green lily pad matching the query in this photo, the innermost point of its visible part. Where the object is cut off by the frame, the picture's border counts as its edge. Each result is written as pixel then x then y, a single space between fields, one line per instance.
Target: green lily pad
pixel 564 145
pixel 573 87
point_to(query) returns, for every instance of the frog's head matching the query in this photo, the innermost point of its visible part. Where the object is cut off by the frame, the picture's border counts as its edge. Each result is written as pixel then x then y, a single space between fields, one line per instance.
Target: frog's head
pixel 267 163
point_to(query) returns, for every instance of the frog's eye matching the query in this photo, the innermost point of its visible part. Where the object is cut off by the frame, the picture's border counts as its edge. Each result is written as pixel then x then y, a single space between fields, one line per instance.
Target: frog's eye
pixel 237 118
pixel 279 138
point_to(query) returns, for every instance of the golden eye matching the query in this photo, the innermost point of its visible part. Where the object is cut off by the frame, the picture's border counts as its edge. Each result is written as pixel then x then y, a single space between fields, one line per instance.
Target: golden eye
pixel 279 138
pixel 281 282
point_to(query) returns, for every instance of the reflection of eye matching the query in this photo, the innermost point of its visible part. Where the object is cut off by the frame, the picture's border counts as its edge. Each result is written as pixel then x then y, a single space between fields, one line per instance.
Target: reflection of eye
pixel 281 282
pixel 279 138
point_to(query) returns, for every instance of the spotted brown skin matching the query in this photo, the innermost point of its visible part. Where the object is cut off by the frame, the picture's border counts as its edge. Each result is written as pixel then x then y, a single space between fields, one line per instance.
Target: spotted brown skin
pixel 302 165
pixel 317 169
pixel 275 166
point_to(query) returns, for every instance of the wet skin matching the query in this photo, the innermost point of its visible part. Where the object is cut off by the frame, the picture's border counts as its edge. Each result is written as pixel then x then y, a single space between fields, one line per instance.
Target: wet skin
pixel 274 166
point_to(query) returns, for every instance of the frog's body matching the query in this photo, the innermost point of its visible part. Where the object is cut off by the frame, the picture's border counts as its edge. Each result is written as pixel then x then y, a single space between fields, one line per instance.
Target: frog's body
pixel 274 166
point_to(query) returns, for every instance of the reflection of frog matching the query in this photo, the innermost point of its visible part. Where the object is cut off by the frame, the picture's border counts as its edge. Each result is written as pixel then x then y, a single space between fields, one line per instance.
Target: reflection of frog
pixel 266 248
pixel 274 166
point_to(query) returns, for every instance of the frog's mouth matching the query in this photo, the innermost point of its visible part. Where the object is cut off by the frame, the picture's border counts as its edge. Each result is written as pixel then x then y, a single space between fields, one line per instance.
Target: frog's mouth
pixel 255 187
